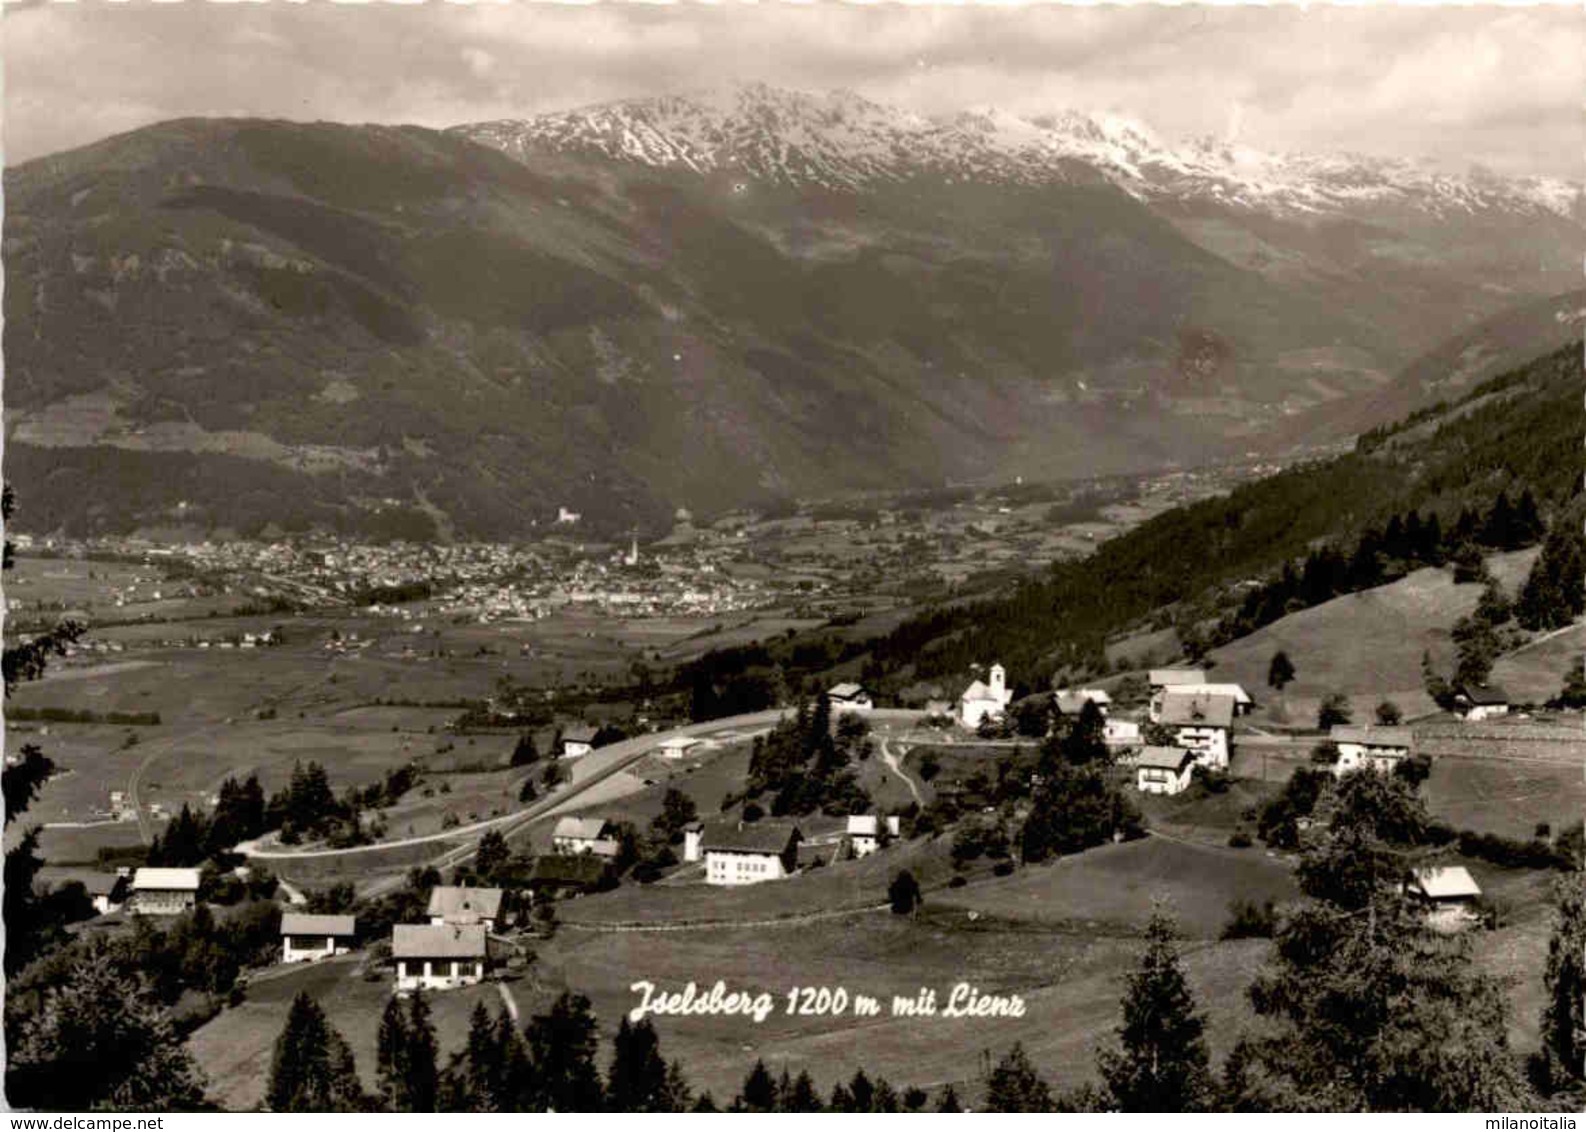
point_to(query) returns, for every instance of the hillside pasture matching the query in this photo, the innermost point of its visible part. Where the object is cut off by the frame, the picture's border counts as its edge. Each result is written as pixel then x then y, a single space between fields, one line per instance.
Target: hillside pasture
pixel 1534 673
pixel 1367 645
pixel 1115 887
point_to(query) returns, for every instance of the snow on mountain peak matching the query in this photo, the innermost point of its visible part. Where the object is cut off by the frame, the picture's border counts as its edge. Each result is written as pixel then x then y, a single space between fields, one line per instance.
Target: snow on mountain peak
pixel 842 140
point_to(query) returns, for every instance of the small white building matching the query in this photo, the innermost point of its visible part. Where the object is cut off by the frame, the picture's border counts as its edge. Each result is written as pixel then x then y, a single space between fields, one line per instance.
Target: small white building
pixel 693 834
pixel 1200 723
pixel 1375 748
pixel 1478 703
pixel 573 836
pixel 749 853
pixel 678 746
pixel 1163 770
pixel 1448 894
pixel 306 937
pixel 164 892
pixel 985 699
pixel 438 956
pixel 1072 701
pixel 850 697
pixel 867 832
pixel 464 906
pixel 107 891
pixel 1121 733
pixel 577 741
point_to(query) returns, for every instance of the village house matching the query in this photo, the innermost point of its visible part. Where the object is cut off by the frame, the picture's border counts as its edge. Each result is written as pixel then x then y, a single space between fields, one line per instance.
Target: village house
pixel 1163 679
pixel 1120 733
pixel 1072 701
pixel 678 746
pixel 850 697
pixel 164 892
pixel 305 937
pixel 574 836
pixel 693 835
pixel 1200 723
pixel 1478 703
pixel 577 741
pixel 1243 704
pixel 748 853
pixel 463 906
pixel 107 892
pixel 985 699
pixel 1377 748
pixel 866 832
pixel 1447 894
pixel 438 956
pixel 1163 770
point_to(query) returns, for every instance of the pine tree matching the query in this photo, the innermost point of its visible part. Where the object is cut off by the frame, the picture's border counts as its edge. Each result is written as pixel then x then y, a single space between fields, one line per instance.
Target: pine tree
pixel 423 1075
pixel 948 1100
pixel 1014 1085
pixel 637 1080
pixel 483 1068
pixel 759 1091
pixel 525 753
pixel 1280 672
pixel 1560 1066
pixel 391 1045
pixel 802 1096
pixel 492 854
pixel 1160 1064
pixel 562 1050
pixel 312 1068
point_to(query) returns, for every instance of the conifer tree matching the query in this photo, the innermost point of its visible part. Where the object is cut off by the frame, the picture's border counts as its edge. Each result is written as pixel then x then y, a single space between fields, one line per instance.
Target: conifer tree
pixel 948 1100
pixel 391 1046
pixel 637 1080
pixel 562 1051
pixel 1015 1086
pixel 312 1068
pixel 1561 1064
pixel 423 1075
pixel 759 1092
pixel 1160 1062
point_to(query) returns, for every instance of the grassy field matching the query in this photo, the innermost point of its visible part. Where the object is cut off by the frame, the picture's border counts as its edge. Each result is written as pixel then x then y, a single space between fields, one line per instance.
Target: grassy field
pixel 1367 645
pixel 1535 673
pixel 1507 798
pixel 234 1050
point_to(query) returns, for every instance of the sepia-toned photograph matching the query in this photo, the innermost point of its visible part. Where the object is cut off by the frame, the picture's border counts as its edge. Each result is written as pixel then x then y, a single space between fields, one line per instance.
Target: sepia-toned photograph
pixel 793 557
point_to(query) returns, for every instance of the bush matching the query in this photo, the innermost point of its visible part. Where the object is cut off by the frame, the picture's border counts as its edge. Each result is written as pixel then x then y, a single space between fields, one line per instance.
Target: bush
pixel 753 812
pixel 1002 868
pixel 1239 839
pixel 957 882
pixel 1249 920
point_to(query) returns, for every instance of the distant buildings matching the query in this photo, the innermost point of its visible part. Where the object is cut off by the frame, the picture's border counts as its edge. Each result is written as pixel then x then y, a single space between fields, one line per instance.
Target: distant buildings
pixel 164 892
pixel 438 956
pixel 749 853
pixel 556 875
pixel 1163 679
pixel 678 746
pixel 1377 748
pixel 1072 701
pixel 577 741
pixel 1163 770
pixel 983 700
pixel 575 836
pixel 850 697
pixel 306 937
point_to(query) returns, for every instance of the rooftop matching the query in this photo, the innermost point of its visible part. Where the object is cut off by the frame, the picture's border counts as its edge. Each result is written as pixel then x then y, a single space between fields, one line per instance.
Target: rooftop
pixel 304 923
pixel 183 880
pixel 1167 677
pixel 1485 694
pixel 846 691
pixel 1197 709
pixel 582 733
pixel 438 941
pixel 452 903
pixel 750 837
pixel 1372 736
pixel 1447 882
pixel 1165 758
pixel 581 829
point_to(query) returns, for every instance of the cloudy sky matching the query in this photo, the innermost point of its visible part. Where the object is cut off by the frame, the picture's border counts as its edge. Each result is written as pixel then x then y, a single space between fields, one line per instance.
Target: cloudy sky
pixel 1500 86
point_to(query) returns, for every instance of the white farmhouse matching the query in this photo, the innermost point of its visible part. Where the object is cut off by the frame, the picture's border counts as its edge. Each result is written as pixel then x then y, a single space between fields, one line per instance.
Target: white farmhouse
pixel 749 853
pixel 985 699
pixel 462 906
pixel 1375 748
pixel 577 741
pixel 1477 703
pixel 866 831
pixel 438 956
pixel 307 937
pixel 574 836
pixel 1200 723
pixel 164 892
pixel 1163 770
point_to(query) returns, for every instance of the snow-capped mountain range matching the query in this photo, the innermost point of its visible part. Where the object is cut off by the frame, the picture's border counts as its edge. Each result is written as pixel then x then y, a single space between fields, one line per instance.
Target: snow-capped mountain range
pixel 843 141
